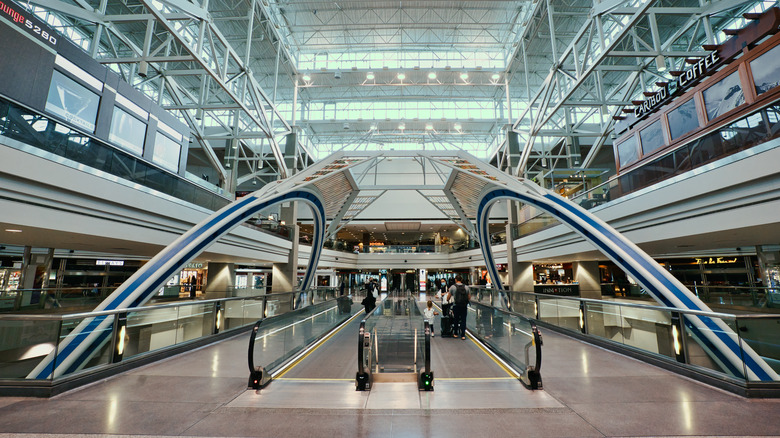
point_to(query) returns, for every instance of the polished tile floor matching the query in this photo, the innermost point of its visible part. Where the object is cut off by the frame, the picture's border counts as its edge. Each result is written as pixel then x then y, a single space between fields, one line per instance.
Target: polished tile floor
pixel 588 392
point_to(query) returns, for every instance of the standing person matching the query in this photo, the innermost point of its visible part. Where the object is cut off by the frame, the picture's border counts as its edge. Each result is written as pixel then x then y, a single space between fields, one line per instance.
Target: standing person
pixel 369 302
pixel 341 288
pixel 429 313
pixel 461 296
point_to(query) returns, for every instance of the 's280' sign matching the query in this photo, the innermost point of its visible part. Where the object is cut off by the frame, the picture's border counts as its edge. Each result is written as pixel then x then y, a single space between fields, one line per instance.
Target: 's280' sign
pixel 31 24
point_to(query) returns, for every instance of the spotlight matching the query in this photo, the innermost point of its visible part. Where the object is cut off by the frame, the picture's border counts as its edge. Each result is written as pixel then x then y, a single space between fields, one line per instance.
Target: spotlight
pixel 431 75
pixel 464 75
pixel 428 127
pixel 306 78
pixel 370 76
pixel 401 76
pixel 495 76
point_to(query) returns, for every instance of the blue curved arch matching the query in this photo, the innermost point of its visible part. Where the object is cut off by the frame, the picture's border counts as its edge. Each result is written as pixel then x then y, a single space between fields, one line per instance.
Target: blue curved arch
pixel 661 285
pixel 81 343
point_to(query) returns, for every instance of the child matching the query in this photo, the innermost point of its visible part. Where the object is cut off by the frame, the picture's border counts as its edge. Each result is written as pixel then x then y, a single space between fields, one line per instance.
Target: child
pixel 428 313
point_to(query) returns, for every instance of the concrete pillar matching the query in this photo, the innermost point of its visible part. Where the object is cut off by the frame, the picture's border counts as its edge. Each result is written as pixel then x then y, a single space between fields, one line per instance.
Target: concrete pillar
pixel 588 276
pixel 220 280
pixel 285 275
pixel 522 277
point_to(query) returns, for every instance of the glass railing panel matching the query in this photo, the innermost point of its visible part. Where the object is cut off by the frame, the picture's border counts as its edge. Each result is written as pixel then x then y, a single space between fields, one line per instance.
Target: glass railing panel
pixel 102 352
pixel 509 334
pixel 195 321
pixel 278 304
pixel 25 343
pixel 560 312
pixel 282 337
pixel 523 303
pixel 697 355
pixel 251 311
pixel 606 321
pixel 647 329
pixel 763 336
pixel 151 329
pixel 53 137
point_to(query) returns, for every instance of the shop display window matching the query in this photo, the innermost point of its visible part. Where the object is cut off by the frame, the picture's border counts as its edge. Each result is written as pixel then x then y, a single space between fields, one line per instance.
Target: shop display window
pixel 652 138
pixel 683 119
pixel 766 70
pixel 127 132
pixel 723 96
pixel 166 152
pixel 72 101
pixel 628 151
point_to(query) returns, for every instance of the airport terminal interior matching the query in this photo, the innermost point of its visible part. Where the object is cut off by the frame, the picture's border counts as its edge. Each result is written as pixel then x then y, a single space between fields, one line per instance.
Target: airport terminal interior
pixel 284 218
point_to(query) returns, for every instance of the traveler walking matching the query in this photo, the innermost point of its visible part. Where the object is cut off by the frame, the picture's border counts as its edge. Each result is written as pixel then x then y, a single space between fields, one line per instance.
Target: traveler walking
pixel 461 297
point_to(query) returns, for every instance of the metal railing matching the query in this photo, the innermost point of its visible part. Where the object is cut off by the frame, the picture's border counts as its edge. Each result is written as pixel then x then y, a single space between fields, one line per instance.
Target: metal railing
pixel 28 342
pixel 660 333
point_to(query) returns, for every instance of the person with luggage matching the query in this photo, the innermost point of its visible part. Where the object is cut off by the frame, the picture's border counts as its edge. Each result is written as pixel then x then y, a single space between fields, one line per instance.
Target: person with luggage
pixel 429 313
pixel 461 297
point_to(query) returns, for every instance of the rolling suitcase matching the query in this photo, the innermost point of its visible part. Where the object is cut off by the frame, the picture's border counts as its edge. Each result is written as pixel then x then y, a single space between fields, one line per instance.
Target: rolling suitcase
pixel 446 325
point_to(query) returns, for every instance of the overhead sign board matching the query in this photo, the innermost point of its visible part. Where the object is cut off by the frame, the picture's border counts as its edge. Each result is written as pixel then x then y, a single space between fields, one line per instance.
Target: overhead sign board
pixel 29 23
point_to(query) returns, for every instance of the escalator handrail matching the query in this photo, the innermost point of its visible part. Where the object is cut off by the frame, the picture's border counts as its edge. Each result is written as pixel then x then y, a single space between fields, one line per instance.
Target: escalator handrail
pixel 253 335
pixel 427 346
pixel 538 344
pixel 361 335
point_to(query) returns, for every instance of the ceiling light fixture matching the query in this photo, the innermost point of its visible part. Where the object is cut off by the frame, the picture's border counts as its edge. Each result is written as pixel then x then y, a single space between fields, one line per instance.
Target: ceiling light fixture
pixel 431 75
pixel 306 78
pixel 401 76
pixel 495 76
pixel 464 75
pixel 370 76
pixel 401 126
pixel 13 230
pixel 457 127
pixel 428 127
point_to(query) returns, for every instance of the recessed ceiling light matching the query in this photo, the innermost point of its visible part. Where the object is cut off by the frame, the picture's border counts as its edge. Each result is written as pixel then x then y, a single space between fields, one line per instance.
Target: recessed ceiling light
pixel 13 230
pixel 495 76
pixel 306 78
pixel 464 75
pixel 428 126
pixel 370 76
pixel 401 76
pixel 431 75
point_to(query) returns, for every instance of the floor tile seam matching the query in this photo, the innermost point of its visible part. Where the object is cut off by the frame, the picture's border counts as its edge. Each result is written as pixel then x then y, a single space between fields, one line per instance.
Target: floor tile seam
pixel 446 410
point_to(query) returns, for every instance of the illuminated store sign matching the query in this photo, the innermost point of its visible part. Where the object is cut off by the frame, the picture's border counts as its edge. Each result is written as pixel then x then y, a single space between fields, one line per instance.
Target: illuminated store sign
pixel 28 22
pixel 685 80
pixel 110 262
pixel 711 261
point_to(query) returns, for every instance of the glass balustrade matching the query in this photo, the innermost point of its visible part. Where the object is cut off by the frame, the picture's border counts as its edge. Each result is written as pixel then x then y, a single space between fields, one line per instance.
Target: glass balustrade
pixel 27 341
pixel 665 333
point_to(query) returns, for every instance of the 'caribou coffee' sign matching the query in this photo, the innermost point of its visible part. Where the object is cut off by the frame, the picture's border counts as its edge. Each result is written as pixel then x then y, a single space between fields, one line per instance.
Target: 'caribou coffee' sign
pixel 687 79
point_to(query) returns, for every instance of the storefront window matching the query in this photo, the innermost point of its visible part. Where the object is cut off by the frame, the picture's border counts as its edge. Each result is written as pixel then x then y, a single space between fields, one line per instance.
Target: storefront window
pixel 628 151
pixel 683 119
pixel 723 96
pixel 72 101
pixel 766 70
pixel 166 152
pixel 127 132
pixel 652 138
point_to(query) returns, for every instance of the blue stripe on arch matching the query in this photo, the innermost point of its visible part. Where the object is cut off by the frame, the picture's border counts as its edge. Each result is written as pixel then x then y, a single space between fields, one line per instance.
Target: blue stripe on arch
pixel 658 294
pixel 154 269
